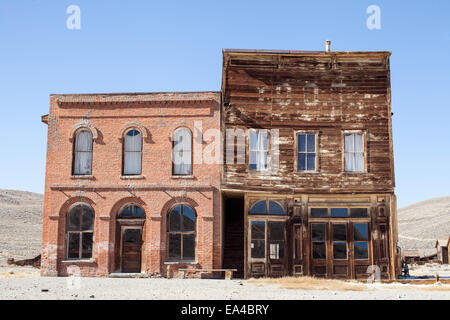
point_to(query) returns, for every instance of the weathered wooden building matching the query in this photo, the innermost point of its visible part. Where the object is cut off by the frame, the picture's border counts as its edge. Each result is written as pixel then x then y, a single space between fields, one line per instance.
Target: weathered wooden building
pixel 309 190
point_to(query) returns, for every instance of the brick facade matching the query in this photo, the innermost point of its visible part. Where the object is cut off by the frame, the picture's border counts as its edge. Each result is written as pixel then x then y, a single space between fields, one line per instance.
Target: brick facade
pixel 106 190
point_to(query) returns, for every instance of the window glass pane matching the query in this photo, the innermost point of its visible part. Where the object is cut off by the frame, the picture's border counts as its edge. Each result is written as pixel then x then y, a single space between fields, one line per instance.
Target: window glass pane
pixel 311 163
pixel 74 219
pixel 339 250
pixel 361 250
pixel 275 208
pixel 138 212
pixel 189 246
pixel 360 232
pixel 133 141
pixel 318 232
pixel 73 251
pixel 276 231
pixel 301 140
pixel 339 212
pixel 359 162
pixel 253 156
pixel 132 163
pixel 349 143
pixel 276 250
pixel 311 144
pixel 358 212
pixel 253 141
pixel 258 248
pixel 188 218
pixel 301 162
pixel 175 219
pixel 132 236
pixel 263 140
pixel 259 208
pixel 350 162
pixel 86 245
pixel 175 246
pixel 359 143
pixel 83 141
pixel 339 232
pixel 319 212
pixel 88 219
pixel 258 230
pixel 126 212
pixel 319 250
pixel 83 162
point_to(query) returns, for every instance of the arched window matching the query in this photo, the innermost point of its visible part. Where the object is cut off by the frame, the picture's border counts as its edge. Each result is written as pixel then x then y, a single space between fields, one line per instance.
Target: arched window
pixel 267 207
pixel 181 233
pixel 80 232
pixel 131 211
pixel 182 152
pixel 82 160
pixel 132 152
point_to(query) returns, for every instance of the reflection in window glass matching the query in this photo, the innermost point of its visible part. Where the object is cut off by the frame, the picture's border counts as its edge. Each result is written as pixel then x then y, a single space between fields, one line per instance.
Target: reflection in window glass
pixel 339 212
pixel 259 208
pixel 359 213
pixel 276 240
pixel 275 208
pixel 319 212
pixel 79 232
pixel 339 241
pixel 361 243
pixel 361 250
pixel 258 236
pixel 318 240
pixel 181 232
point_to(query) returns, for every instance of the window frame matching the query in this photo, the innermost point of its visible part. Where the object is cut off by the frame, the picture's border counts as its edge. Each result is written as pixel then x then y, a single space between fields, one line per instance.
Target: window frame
pixel 331 218
pixel 173 151
pixel 74 152
pixel 364 137
pixel 80 232
pixel 248 151
pixel 296 152
pixel 181 233
pixel 123 153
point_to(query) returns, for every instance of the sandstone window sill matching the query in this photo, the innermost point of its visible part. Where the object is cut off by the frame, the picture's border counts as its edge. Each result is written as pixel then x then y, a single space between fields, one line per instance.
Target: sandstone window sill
pixel 84 177
pixel 137 177
pixel 78 261
pixel 183 177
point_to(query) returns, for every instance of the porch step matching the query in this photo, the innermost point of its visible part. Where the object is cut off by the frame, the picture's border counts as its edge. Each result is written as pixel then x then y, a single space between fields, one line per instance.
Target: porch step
pixel 128 275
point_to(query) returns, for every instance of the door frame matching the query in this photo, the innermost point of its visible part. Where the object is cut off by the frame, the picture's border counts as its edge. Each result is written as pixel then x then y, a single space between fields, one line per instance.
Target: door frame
pixel 130 224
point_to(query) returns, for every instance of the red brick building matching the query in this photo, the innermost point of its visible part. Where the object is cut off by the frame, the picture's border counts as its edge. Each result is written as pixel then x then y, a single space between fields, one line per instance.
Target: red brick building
pixel 114 199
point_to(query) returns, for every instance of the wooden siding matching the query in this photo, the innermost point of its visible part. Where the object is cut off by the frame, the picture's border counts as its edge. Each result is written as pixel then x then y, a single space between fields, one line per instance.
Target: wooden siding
pixel 328 93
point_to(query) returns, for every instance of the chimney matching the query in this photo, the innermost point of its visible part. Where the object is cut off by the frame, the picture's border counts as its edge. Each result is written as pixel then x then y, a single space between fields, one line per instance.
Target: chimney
pixel 328 44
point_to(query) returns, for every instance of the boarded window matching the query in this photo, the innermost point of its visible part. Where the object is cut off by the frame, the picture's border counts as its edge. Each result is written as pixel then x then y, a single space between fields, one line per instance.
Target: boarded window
pixel 132 153
pixel 182 152
pixel 83 153
pixel 306 152
pixel 80 232
pixel 259 150
pixel 181 233
pixel 354 152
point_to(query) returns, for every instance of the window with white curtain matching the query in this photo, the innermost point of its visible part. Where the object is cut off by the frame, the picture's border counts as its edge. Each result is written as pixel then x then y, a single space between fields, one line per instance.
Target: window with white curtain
pixel 354 152
pixel 182 152
pixel 132 152
pixel 82 164
pixel 259 150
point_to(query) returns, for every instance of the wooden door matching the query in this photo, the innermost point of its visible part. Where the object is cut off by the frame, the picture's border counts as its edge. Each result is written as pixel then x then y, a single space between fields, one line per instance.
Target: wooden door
pixel 319 249
pixel 340 253
pixel 131 250
pixel 276 248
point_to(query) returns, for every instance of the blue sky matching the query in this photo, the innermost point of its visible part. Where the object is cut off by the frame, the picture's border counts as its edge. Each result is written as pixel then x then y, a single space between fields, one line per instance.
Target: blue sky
pixel 132 46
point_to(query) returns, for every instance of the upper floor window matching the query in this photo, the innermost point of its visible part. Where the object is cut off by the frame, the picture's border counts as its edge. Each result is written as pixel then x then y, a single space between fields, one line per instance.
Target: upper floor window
pixel 354 152
pixel 82 162
pixel 182 152
pixel 132 152
pixel 306 152
pixel 80 232
pixel 259 150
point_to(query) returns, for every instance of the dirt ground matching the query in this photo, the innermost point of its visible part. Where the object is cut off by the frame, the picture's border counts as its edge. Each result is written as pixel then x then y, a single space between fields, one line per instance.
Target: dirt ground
pixel 17 283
